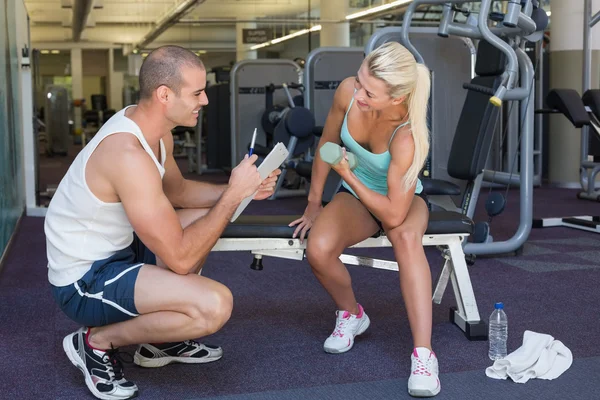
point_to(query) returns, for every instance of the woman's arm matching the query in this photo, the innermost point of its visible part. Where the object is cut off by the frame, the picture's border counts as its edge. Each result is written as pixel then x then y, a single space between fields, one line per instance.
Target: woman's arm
pixel 331 133
pixel 392 209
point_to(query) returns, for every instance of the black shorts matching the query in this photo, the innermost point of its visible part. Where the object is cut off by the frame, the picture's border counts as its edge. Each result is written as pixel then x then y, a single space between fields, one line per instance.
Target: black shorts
pixel 422 195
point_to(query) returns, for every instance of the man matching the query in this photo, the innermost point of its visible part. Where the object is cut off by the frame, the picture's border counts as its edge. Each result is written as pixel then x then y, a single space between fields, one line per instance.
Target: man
pixel 122 261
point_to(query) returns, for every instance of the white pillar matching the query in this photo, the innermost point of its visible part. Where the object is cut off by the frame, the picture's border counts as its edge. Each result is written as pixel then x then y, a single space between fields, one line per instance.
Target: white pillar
pixel 243 51
pixel 77 83
pixel 567 25
pixel 134 63
pixel 566 64
pixel 335 35
pixel 115 84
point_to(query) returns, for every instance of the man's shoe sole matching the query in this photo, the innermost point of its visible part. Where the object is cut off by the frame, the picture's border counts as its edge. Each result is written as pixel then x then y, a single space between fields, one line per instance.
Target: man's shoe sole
pixel 162 361
pixel 76 360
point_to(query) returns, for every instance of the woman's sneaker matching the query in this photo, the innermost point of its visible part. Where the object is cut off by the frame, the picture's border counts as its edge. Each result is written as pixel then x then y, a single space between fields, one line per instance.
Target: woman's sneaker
pixel 424 376
pixel 347 326
pixel 188 352
pixel 103 370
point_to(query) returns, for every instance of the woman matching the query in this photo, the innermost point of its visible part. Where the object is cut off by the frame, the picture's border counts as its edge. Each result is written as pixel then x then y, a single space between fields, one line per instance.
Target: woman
pixel 381 117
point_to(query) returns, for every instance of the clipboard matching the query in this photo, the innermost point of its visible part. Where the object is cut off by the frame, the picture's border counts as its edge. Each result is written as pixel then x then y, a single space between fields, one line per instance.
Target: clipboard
pixel 273 161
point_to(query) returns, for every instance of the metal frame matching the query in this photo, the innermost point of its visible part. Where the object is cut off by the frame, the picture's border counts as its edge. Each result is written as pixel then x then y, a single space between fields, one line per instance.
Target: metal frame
pixel 312 69
pixel 466 314
pixel 285 67
pixel 309 67
pixel 588 169
pixel 590 223
pixel 519 69
pixel 582 222
pixel 445 58
pixel 234 86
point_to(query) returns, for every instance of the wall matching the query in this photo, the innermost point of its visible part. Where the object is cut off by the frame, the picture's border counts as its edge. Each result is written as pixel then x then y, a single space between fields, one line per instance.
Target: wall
pixel 216 59
pixel 13 34
pixel 296 47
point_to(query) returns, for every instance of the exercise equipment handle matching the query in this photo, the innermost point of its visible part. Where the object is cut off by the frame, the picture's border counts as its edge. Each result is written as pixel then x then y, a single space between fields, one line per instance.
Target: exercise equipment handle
pixel 479 89
pixel 289 95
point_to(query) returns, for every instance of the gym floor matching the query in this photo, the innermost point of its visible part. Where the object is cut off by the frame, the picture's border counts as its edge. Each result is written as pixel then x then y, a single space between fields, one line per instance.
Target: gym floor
pixel 273 341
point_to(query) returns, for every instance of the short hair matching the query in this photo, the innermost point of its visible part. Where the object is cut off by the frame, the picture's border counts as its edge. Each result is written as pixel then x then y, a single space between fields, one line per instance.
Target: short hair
pixel 163 67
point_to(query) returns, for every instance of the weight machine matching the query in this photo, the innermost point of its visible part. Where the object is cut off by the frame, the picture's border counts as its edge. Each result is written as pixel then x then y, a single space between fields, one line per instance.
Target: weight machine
pixel 268 236
pixel 589 169
pixel 508 33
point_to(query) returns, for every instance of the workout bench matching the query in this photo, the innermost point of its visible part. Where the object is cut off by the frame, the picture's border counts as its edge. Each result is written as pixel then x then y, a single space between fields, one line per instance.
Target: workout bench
pixel 271 236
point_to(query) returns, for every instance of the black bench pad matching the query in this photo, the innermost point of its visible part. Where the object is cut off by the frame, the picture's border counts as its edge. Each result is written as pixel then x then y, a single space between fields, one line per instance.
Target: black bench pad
pixel 276 226
pixel 434 187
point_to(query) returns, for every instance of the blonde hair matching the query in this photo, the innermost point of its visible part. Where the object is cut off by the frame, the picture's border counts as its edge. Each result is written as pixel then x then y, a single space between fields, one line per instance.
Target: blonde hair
pixel 396 66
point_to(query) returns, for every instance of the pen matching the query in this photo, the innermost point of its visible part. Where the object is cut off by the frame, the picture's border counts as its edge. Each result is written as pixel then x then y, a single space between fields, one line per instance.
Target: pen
pixel 252 143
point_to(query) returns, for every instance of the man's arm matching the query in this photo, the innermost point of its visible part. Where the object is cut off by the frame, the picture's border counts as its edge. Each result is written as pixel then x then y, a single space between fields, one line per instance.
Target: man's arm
pixel 185 193
pixel 140 189
pixel 392 209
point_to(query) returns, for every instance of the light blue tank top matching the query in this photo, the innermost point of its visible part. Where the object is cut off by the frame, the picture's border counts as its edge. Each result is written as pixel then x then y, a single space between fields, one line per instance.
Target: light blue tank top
pixel 372 169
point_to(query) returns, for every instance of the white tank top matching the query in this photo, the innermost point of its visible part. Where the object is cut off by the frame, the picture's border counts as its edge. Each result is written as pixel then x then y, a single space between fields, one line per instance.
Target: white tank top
pixel 80 228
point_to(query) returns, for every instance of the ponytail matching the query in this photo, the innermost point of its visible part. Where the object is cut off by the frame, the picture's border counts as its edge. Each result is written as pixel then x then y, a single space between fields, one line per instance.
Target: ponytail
pixel 418 101
pixel 397 67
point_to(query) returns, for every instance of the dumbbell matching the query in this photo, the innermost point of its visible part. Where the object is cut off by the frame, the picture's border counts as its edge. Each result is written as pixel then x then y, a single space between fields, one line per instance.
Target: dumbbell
pixel 332 154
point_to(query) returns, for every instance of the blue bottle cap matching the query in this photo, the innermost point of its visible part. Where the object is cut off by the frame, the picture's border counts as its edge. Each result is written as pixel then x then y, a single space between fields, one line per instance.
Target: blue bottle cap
pixel 499 306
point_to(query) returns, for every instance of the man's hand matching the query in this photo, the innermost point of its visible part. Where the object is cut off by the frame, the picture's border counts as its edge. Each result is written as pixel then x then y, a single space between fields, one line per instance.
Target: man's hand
pixel 267 186
pixel 244 179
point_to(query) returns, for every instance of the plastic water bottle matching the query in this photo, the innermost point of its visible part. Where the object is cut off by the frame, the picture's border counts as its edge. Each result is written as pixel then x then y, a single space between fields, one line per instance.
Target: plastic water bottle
pixel 498 333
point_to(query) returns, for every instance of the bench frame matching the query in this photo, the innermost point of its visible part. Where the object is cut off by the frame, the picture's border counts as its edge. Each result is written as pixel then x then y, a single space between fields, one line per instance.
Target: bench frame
pixel 465 315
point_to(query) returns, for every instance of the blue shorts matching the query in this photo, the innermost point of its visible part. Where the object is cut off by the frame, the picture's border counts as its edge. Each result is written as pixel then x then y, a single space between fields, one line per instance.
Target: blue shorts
pixel 105 294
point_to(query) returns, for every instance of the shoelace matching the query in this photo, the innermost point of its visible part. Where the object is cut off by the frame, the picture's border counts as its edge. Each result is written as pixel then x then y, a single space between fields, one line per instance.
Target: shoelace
pixel 422 367
pixel 115 359
pixel 339 328
pixel 192 343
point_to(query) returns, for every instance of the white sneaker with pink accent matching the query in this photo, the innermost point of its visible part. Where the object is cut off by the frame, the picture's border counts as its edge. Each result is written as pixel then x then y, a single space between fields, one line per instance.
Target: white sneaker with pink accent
pixel 347 326
pixel 424 380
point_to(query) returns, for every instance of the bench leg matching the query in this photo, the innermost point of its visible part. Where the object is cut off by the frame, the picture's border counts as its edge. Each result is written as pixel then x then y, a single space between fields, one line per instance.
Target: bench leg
pixel 443 279
pixel 466 314
pixel 369 262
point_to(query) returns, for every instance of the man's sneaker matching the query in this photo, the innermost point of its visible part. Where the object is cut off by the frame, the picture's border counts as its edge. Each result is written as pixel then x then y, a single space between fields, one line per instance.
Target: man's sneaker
pixel 188 352
pixel 103 370
pixel 424 380
pixel 347 326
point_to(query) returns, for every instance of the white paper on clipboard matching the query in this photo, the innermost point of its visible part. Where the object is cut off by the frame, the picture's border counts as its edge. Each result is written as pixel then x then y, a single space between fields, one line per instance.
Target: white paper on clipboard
pixel 273 161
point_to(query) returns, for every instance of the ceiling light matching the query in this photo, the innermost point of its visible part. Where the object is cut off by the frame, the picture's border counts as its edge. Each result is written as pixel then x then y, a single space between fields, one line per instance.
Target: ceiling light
pixel 375 9
pixel 350 17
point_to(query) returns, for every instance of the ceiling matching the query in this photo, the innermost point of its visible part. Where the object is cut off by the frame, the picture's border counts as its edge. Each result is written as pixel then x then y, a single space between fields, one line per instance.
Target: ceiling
pixel 148 11
pixel 126 23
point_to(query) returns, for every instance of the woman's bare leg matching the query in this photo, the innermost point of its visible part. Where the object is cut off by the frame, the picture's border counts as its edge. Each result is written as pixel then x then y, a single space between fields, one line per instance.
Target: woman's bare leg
pixel 342 223
pixel 415 274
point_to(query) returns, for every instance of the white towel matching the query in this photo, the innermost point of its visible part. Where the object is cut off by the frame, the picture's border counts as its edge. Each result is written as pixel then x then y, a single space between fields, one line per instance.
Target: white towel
pixel 540 356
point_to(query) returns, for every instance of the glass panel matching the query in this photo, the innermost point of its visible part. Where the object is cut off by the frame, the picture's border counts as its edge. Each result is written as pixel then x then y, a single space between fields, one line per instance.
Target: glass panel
pixel 11 181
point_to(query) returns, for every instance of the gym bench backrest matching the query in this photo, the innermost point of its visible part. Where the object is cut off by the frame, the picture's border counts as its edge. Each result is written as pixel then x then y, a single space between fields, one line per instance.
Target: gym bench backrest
pixel 478 118
pixel 568 102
